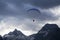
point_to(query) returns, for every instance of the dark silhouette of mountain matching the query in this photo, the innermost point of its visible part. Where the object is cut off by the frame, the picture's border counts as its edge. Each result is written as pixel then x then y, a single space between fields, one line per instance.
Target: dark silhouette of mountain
pixel 31 37
pixel 50 27
pixel 48 32
pixel 15 35
pixel 1 37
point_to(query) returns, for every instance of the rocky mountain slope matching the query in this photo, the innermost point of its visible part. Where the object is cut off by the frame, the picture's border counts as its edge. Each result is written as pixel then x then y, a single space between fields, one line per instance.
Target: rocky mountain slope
pixel 48 32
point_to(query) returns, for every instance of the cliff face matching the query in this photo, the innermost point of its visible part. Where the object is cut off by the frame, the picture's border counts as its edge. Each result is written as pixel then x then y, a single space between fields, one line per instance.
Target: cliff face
pixel 48 32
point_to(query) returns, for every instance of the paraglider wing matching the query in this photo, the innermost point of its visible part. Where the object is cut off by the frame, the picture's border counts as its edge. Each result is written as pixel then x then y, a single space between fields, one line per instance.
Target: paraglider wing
pixel 34 13
pixel 33 9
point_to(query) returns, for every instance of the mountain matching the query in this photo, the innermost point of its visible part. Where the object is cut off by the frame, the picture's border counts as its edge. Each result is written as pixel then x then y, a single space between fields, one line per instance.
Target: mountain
pixel 48 32
pixel 15 35
pixel 1 37
pixel 50 27
pixel 31 37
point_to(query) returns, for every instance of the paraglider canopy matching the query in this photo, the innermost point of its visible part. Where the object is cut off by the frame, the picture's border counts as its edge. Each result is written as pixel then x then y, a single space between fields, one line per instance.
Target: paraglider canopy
pixel 33 13
pixel 34 10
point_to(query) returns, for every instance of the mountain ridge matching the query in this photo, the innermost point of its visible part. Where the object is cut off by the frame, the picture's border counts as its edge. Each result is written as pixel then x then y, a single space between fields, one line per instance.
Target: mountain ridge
pixel 48 32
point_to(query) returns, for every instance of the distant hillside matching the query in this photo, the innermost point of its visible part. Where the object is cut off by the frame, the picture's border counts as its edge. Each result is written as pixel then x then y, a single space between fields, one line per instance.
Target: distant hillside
pixel 48 32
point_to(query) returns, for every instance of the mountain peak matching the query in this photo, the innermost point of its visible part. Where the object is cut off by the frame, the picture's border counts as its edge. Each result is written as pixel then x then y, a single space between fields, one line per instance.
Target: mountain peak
pixel 15 35
pixel 50 27
pixel 16 32
pixel 48 32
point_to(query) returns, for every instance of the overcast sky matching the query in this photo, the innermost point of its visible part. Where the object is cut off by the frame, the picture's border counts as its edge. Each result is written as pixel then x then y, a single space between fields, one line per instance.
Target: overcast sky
pixel 13 14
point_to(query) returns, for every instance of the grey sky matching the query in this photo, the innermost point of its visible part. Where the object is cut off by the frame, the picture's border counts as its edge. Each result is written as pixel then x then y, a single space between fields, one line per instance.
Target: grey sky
pixel 13 14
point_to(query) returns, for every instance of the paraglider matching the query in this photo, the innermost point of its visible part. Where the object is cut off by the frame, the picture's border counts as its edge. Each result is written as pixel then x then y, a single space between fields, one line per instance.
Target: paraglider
pixel 33 20
pixel 34 13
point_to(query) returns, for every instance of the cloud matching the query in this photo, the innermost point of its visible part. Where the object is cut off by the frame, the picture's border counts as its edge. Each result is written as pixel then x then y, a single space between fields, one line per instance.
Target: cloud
pixel 10 23
pixel 39 3
pixel 45 3
pixel 2 6
pixel 12 10
pixel 44 15
pixel 13 14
